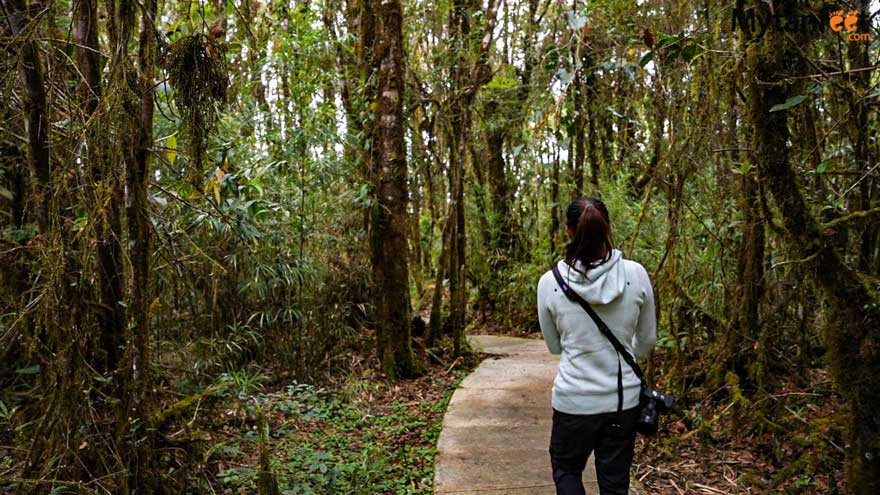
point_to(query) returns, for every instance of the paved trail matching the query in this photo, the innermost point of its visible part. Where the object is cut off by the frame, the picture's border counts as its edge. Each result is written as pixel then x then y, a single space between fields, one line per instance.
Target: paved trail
pixel 496 430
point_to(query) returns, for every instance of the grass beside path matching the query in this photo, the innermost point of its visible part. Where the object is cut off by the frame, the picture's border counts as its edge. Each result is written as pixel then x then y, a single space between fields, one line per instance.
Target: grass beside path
pixel 366 435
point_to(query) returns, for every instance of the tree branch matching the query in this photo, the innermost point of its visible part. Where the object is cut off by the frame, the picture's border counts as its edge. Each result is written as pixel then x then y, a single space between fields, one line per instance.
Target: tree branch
pixel 858 216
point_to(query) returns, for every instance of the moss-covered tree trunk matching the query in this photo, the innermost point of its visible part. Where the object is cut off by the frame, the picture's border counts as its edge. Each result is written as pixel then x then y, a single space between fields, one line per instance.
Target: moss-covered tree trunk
pixel 137 173
pixel 592 135
pixel 555 213
pixel 576 135
pixel 387 169
pixel 739 341
pixel 435 323
pixel 458 240
pixel 102 182
pixel 860 135
pixel 469 73
pixel 853 330
pixel 641 181
pixel 36 111
pixel 499 189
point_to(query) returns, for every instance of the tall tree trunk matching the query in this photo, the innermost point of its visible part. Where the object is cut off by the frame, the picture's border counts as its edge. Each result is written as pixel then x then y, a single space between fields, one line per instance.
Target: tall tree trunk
pixel 859 129
pixel 435 324
pixel 458 240
pixel 554 201
pixel 499 189
pixel 657 137
pixel 746 297
pixel 467 77
pixel 139 377
pixel 389 214
pixel 749 285
pixel 36 112
pixel 580 88
pixel 110 269
pixel 593 139
pixel 853 332
pixel 415 234
pixel 577 137
pixel 607 135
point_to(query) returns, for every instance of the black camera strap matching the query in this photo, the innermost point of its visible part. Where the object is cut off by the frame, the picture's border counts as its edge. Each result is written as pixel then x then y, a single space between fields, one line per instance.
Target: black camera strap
pixel 603 328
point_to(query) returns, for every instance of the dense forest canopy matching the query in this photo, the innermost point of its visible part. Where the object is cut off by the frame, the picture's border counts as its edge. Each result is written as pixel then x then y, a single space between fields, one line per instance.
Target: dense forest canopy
pixel 193 190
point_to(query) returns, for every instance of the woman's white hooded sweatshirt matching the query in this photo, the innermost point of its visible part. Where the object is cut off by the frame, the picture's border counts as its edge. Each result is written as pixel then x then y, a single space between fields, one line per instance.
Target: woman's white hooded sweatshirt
pixel 620 292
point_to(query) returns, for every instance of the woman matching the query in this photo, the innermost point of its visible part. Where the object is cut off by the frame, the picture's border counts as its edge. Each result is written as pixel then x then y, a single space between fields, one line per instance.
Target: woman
pixel 588 415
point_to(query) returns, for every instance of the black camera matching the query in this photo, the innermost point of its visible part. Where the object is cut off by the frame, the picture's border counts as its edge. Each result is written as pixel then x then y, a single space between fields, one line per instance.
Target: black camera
pixel 663 401
pixel 652 404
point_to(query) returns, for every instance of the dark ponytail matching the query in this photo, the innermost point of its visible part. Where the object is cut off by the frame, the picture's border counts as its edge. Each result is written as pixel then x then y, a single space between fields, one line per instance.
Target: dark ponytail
pixel 591 243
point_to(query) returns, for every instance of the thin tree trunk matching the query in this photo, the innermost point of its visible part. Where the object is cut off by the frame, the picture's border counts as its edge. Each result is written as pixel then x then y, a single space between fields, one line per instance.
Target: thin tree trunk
pixel 468 77
pixel 36 113
pixel 110 269
pixel 743 332
pixel 593 139
pixel 457 279
pixel 435 324
pixel 577 140
pixel 657 138
pixel 858 56
pixel 139 376
pixel 499 190
pixel 554 201
pixel 607 137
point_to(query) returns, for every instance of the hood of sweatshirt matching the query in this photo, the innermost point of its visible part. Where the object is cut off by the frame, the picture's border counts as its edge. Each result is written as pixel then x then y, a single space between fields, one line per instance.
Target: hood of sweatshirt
pixel 602 284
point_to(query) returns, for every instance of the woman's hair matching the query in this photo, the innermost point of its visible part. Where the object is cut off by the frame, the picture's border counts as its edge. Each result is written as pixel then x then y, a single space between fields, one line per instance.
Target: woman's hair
pixel 591 243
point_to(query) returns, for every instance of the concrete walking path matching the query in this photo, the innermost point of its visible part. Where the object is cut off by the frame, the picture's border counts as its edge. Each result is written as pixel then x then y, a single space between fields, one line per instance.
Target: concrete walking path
pixel 496 430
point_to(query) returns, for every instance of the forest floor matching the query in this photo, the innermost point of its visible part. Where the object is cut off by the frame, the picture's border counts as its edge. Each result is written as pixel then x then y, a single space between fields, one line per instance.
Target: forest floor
pixel 791 445
pixel 355 434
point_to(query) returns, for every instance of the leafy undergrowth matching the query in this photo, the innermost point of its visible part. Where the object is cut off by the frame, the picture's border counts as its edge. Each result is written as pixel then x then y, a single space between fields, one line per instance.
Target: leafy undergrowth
pixel 787 441
pixel 362 435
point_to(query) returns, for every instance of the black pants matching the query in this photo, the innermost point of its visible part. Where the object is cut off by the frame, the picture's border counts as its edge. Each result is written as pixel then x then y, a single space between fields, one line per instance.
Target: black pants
pixel 575 436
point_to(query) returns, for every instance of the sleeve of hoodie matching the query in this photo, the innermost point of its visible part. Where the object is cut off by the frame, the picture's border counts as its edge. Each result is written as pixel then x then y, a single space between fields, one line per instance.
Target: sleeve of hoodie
pixel 646 328
pixel 545 318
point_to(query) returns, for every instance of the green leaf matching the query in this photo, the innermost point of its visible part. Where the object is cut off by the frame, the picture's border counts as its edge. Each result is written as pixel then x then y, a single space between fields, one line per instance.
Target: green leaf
pixel 564 76
pixel 30 370
pixel 5 193
pixel 517 149
pixel 501 81
pixel 690 52
pixel 743 169
pixel 668 39
pixel 822 168
pixel 171 148
pixel 816 89
pixel 646 58
pixel 576 21
pixel 793 101
pixel 872 95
